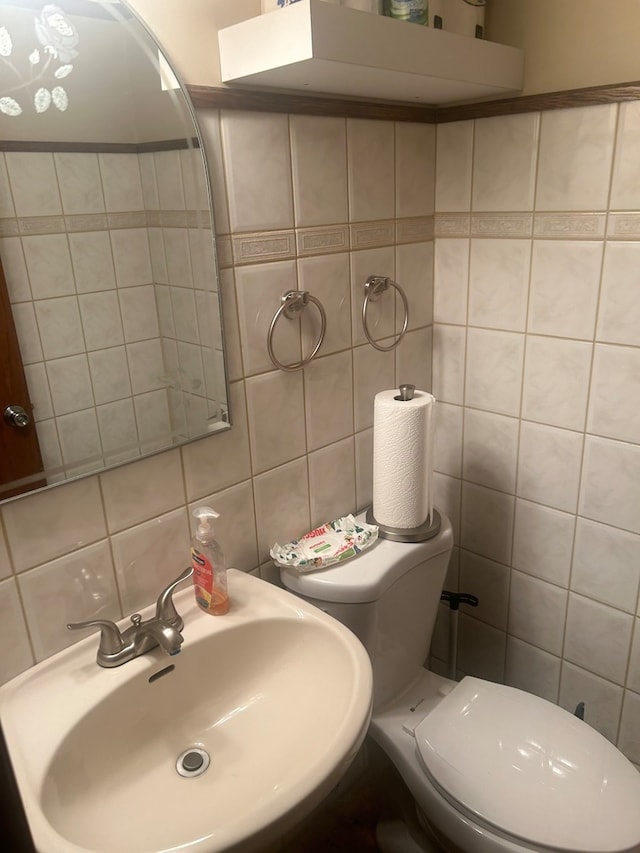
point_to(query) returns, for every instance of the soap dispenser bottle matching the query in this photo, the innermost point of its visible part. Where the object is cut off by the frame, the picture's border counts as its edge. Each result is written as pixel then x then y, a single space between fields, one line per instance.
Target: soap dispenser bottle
pixel 207 559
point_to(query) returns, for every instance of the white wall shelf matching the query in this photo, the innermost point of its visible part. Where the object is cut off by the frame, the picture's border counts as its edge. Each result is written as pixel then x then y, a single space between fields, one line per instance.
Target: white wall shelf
pixel 314 46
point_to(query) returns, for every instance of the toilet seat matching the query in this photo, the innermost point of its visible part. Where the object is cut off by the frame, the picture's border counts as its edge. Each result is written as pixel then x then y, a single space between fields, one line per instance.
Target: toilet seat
pixel 530 770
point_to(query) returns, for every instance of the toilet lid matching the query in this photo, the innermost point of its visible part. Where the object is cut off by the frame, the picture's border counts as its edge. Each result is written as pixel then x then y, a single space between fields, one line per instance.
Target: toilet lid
pixel 530 769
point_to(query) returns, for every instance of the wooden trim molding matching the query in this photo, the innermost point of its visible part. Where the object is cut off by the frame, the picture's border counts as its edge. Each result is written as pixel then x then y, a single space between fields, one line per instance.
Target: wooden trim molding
pixel 279 102
pixel 321 105
pixel 99 147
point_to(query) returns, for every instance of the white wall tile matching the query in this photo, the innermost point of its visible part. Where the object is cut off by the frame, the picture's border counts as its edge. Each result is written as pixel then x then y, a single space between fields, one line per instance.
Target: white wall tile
pixel 260 289
pixel 614 406
pixel 626 165
pixel 80 182
pixel 69 384
pixel 454 154
pixel 610 489
pixel 499 283
pixel 121 182
pixel 49 265
pixel 235 531
pixel 606 564
pixel 537 612
pixel 34 185
pixel 447 446
pixel 328 394
pixel 332 482
pixel 449 356
pixel 373 371
pixel 76 588
pixel 602 699
pixel 481 649
pixel 258 170
pixel 92 261
pixel 142 490
pixel 68 517
pixel 282 505
pixel 549 465
pixel 414 273
pixel 629 741
pixel 371 147
pixel 619 315
pixel 543 542
pixel 504 162
pixel 576 150
pixel 327 278
pixel 556 381
pixel 149 556
pixel 564 288
pixel 451 270
pixel 494 371
pixel 532 669
pixel 598 637
pixel 490 450
pixel 415 169
pixel 487 522
pixel 17 654
pixel 15 270
pixel 489 582
pixel 275 406
pixel 319 161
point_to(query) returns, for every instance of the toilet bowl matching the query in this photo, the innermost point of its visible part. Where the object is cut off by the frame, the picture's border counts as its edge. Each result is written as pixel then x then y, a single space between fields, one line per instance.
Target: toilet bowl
pixel 492 769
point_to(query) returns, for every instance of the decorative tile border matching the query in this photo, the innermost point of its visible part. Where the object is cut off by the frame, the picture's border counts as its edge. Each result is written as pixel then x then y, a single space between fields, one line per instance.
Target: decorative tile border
pixel 269 246
pixel 323 240
pixel 624 226
pixel 501 224
pixel 86 222
pixel 133 219
pixel 9 228
pixel 452 225
pixel 574 226
pixel 224 251
pixel 415 230
pixel 41 225
pixel 29 226
pixel 366 235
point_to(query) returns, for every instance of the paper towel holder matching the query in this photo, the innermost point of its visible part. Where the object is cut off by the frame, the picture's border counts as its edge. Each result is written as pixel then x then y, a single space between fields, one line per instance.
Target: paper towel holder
pixel 427 530
pixel 374 287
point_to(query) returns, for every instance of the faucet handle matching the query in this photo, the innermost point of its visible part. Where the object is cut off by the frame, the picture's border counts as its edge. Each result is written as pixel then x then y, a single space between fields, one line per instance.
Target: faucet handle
pixel 165 608
pixel 111 640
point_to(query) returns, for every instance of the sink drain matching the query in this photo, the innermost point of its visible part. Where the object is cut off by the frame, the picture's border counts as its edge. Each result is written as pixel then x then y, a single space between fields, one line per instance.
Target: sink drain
pixel 192 762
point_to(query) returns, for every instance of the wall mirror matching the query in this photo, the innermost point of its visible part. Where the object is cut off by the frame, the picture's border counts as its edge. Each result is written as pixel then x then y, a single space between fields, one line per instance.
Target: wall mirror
pixel 111 337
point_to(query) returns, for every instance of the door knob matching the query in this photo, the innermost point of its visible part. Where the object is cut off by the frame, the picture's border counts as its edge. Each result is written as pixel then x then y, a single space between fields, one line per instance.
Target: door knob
pixel 16 417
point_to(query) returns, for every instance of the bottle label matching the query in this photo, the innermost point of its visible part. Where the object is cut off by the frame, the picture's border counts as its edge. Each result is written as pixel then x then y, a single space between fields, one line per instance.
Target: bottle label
pixel 409 10
pixel 202 578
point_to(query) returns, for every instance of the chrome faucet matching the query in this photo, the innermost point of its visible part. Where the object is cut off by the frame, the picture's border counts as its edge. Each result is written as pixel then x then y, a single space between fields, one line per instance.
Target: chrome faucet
pixel 162 630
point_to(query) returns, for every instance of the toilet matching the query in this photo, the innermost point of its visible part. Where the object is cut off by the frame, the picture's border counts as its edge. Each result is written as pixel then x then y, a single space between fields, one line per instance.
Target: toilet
pixel 491 769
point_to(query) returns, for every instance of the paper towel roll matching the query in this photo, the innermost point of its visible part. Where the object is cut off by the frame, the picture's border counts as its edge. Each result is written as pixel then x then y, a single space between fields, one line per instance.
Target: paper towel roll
pixel 402 459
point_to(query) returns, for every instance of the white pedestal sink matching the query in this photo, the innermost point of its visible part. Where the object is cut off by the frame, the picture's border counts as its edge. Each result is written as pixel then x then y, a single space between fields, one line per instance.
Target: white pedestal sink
pixel 276 693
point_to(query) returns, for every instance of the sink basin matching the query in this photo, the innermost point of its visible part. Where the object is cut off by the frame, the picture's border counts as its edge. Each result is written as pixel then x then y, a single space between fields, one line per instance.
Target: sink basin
pixel 276 693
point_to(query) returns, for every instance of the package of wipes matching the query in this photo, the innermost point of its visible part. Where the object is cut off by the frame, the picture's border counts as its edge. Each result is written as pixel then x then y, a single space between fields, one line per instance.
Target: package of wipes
pixel 326 545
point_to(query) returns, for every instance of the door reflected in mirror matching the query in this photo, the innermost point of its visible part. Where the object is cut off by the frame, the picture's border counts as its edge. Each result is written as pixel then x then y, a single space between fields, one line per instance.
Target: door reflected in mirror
pixel 106 246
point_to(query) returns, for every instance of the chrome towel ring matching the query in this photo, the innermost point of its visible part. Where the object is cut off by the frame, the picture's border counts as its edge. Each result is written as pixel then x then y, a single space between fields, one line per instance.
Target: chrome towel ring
pixel 374 286
pixel 291 305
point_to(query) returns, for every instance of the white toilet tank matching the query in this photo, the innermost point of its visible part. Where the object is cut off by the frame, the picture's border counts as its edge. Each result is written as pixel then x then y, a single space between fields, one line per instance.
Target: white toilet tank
pixel 388 596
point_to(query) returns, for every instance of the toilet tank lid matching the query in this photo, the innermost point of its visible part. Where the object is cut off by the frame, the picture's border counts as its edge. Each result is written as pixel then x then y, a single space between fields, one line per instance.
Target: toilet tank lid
pixel 365 577
pixel 530 769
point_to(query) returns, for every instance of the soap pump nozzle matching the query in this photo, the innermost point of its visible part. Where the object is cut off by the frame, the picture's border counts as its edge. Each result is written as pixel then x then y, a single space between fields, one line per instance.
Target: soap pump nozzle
pixel 205 528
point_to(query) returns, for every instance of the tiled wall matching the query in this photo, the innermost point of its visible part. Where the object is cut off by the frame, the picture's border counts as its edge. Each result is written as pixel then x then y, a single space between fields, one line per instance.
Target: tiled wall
pixel 315 203
pixel 105 269
pixel 536 365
